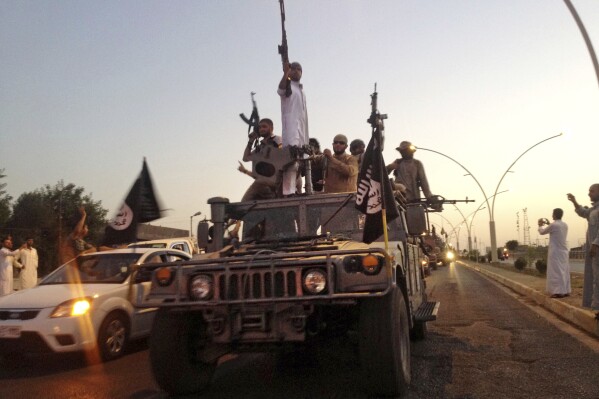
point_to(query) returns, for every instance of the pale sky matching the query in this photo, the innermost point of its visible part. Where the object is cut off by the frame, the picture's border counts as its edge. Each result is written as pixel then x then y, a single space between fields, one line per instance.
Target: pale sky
pixel 88 88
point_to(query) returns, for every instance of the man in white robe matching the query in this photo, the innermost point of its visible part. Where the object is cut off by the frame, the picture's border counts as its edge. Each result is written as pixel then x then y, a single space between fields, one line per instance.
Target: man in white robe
pixel 558 266
pixel 27 261
pixel 590 290
pixel 294 119
pixel 7 256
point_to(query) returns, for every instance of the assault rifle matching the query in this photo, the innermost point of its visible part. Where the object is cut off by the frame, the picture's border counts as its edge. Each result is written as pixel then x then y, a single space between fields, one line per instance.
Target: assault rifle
pixel 253 121
pixel 283 49
pixel 376 118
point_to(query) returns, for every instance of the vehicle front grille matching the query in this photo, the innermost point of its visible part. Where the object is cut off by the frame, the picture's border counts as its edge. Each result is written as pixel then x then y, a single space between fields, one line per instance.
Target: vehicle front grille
pixel 29 342
pixel 260 285
pixel 18 314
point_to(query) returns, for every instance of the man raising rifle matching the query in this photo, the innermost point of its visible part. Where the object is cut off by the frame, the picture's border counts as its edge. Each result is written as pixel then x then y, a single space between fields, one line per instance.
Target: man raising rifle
pixel 294 116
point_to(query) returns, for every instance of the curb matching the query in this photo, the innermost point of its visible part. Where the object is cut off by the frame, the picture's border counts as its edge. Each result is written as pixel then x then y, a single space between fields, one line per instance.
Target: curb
pixel 584 319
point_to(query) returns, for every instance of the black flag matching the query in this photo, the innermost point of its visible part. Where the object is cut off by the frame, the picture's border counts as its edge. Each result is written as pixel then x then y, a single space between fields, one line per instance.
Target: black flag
pixel 140 206
pixel 374 190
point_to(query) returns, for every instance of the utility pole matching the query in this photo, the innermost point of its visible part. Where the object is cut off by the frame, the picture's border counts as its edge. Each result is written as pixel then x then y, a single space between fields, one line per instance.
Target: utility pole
pixel 525 228
pixel 518 226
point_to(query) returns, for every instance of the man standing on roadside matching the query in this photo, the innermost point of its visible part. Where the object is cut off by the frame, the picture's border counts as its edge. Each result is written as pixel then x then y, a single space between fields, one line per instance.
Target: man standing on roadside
pixel 558 267
pixel 6 261
pixel 27 261
pixel 590 291
pixel 294 118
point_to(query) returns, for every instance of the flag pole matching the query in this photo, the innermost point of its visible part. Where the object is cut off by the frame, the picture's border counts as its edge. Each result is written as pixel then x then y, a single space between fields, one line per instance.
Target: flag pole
pixel 379 138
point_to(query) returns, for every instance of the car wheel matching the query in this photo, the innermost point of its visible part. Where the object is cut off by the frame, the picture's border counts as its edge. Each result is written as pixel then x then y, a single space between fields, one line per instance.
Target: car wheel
pixel 384 342
pixel 176 343
pixel 113 336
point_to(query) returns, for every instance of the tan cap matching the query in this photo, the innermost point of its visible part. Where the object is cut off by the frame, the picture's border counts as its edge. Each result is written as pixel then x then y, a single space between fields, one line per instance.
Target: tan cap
pixel 404 145
pixel 340 137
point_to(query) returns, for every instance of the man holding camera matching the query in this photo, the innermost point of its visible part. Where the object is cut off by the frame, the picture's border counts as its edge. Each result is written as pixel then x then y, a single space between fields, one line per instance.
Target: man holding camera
pixel 558 267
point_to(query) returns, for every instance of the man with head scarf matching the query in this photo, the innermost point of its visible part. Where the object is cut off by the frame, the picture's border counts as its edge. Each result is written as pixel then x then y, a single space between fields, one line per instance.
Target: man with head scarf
pixel 409 173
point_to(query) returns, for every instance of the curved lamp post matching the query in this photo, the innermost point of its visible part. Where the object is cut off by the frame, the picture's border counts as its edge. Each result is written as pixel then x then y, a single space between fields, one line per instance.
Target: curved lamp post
pixel 453 228
pixel 585 36
pixel 491 207
pixel 198 213
pixel 492 220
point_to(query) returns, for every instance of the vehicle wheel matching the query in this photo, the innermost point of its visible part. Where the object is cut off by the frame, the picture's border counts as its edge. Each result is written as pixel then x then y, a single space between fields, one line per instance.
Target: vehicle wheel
pixel 385 344
pixel 175 343
pixel 113 336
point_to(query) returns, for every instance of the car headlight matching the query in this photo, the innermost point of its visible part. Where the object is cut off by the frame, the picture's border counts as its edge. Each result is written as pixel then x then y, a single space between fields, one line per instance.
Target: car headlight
pixel 201 287
pixel 315 281
pixel 450 256
pixel 73 307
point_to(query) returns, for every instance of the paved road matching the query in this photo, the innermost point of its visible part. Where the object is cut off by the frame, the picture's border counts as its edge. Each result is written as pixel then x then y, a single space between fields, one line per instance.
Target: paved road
pixel 487 343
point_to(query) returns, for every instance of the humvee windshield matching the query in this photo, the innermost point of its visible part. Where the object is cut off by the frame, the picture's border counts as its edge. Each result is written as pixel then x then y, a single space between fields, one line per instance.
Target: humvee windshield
pixel 313 217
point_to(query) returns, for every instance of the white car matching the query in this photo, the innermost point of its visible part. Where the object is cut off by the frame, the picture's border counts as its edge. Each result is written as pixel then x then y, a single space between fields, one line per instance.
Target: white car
pixel 182 244
pixel 83 305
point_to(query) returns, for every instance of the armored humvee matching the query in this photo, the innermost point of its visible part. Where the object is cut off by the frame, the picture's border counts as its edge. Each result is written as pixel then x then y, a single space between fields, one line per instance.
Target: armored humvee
pixel 297 270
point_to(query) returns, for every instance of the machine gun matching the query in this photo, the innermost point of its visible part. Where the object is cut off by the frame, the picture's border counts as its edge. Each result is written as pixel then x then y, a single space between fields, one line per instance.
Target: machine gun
pixel 376 118
pixel 283 49
pixel 252 121
pixel 435 203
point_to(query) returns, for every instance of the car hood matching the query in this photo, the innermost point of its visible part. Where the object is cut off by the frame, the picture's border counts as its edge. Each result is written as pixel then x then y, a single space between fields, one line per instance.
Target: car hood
pixel 46 296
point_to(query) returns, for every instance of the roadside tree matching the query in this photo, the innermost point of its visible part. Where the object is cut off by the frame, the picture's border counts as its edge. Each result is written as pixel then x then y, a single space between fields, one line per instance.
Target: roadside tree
pixel 4 201
pixel 49 215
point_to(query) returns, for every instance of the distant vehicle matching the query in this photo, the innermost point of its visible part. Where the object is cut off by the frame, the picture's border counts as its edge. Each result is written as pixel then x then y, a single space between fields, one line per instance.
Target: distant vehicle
pixel 426 269
pixel 448 257
pixel 181 244
pixel 84 305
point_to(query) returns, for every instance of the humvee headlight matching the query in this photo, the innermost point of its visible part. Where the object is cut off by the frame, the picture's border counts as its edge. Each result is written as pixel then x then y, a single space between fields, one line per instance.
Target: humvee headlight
pixel 164 276
pixel 371 264
pixel 201 287
pixel 315 281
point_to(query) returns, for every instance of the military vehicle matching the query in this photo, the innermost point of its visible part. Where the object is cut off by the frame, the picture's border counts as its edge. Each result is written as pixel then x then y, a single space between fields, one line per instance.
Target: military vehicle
pixel 297 273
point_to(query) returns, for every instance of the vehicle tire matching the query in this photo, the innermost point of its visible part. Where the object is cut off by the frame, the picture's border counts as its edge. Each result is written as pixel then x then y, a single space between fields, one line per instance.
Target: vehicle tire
pixel 384 343
pixel 175 342
pixel 113 336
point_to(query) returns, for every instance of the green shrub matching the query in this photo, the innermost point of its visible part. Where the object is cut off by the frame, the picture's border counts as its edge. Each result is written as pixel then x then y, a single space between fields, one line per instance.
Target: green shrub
pixel 520 263
pixel 541 265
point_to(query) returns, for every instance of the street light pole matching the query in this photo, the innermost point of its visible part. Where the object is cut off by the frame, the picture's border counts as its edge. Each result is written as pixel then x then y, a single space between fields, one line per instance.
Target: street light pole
pixel 492 220
pixel 492 230
pixel 191 223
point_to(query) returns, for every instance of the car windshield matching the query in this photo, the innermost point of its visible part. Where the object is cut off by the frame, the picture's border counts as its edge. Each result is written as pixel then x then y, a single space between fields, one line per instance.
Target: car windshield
pixel 150 245
pixel 94 269
pixel 338 217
